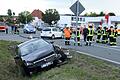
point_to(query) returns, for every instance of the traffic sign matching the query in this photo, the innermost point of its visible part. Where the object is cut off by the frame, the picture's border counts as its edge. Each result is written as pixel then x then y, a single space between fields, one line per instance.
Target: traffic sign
pixel 74 8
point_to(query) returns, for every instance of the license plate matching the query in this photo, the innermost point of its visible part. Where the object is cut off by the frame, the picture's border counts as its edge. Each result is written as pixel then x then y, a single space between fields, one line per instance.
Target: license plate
pixel 46 64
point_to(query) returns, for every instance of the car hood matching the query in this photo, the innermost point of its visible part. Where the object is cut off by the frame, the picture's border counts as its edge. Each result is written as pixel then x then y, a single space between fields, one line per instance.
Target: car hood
pixel 38 54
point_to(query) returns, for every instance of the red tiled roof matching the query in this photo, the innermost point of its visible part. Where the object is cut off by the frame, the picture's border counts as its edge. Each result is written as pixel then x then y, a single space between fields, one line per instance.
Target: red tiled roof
pixel 37 13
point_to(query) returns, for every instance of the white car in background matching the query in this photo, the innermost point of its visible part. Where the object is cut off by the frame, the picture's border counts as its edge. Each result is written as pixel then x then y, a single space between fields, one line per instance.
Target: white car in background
pixel 52 32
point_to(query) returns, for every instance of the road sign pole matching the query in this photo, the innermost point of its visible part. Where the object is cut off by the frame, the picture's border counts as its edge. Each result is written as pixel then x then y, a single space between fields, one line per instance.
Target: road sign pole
pixel 77 16
pixel 77 9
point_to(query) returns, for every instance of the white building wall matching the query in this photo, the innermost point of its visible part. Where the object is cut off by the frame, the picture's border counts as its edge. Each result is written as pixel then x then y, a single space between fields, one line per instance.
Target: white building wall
pixel 64 20
pixel 67 20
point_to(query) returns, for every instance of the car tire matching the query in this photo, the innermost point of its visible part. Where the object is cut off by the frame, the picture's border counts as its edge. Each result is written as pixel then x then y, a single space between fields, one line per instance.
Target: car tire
pixel 25 71
pixel 63 56
pixel 53 36
pixel 62 37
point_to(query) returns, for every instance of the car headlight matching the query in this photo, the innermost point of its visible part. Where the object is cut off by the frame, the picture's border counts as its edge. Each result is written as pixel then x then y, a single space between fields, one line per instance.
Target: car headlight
pixel 34 29
pixel 27 29
pixel 29 63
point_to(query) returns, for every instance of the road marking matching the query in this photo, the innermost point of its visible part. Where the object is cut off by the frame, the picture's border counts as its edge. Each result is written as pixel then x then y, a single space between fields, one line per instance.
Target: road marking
pixel 113 46
pixel 107 47
pixel 105 59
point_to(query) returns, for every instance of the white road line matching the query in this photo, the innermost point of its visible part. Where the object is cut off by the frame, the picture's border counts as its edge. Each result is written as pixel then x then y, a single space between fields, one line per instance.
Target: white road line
pixel 113 46
pixel 105 59
pixel 107 47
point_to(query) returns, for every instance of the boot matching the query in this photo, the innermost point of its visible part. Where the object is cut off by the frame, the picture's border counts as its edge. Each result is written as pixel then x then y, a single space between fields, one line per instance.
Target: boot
pixel 78 44
pixel 86 44
pixel 90 44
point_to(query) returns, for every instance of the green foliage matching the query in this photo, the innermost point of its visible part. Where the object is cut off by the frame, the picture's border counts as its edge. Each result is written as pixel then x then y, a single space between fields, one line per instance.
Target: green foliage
pixel 111 14
pixel 10 17
pixel 80 67
pixel 9 12
pixel 50 16
pixel 1 19
pixel 13 13
pixel 93 14
pixel 101 14
pixel 25 17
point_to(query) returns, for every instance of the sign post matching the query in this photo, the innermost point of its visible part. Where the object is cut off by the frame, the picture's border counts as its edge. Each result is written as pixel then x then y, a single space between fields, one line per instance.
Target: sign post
pixel 77 9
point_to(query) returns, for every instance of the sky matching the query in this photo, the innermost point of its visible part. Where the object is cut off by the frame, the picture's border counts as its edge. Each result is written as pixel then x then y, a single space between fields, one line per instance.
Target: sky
pixel 62 6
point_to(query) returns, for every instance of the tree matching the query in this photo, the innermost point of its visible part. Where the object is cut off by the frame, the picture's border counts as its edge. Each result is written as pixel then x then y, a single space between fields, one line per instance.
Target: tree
pixel 92 14
pixel 1 19
pixel 9 12
pixel 101 14
pixel 25 17
pixel 10 17
pixel 13 13
pixel 51 16
pixel 111 14
pixel 86 14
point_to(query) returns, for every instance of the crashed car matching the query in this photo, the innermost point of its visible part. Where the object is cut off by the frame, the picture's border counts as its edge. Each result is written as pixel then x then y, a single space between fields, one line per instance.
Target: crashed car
pixel 38 53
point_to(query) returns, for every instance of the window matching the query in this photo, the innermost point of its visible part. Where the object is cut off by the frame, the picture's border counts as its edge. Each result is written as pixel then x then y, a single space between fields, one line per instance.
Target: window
pixel 54 29
pixel 47 30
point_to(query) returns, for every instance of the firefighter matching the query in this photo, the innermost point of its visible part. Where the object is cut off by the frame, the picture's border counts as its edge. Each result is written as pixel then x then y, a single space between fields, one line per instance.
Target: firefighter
pixel 90 35
pixel 99 32
pixel 85 33
pixel 111 35
pixel 67 34
pixel 104 35
pixel 73 37
pixel 115 36
pixel 78 36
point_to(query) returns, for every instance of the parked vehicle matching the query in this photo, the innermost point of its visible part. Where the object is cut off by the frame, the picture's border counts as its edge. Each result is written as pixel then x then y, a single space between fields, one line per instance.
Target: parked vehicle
pixel 28 28
pixel 52 32
pixel 118 29
pixel 3 27
pixel 38 53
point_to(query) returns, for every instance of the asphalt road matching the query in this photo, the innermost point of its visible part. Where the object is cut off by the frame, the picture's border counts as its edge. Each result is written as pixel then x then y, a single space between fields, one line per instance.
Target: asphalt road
pixel 101 51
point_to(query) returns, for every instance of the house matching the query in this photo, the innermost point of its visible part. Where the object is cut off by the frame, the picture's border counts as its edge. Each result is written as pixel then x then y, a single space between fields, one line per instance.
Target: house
pixel 37 13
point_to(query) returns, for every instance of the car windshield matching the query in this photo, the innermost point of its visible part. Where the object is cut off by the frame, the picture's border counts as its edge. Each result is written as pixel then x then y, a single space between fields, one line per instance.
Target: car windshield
pixel 29 26
pixel 2 24
pixel 47 30
pixel 32 46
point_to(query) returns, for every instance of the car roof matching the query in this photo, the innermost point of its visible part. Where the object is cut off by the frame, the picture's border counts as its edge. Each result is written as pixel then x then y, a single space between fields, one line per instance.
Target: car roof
pixel 29 41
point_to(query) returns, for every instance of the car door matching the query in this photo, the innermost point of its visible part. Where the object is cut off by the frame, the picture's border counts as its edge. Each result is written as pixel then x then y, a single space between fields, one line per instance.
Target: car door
pixel 55 32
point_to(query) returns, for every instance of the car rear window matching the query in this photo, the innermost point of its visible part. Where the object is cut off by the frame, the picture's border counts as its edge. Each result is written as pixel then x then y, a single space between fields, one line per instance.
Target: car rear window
pixel 47 30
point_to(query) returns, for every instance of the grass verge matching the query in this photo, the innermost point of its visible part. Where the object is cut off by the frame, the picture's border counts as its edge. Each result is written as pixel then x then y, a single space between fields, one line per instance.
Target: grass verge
pixel 80 67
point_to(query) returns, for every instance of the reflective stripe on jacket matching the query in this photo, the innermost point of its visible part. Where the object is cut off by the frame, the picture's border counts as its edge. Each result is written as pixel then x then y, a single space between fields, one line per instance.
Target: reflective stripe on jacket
pixel 78 33
pixel 99 32
pixel 111 33
pixel 91 32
